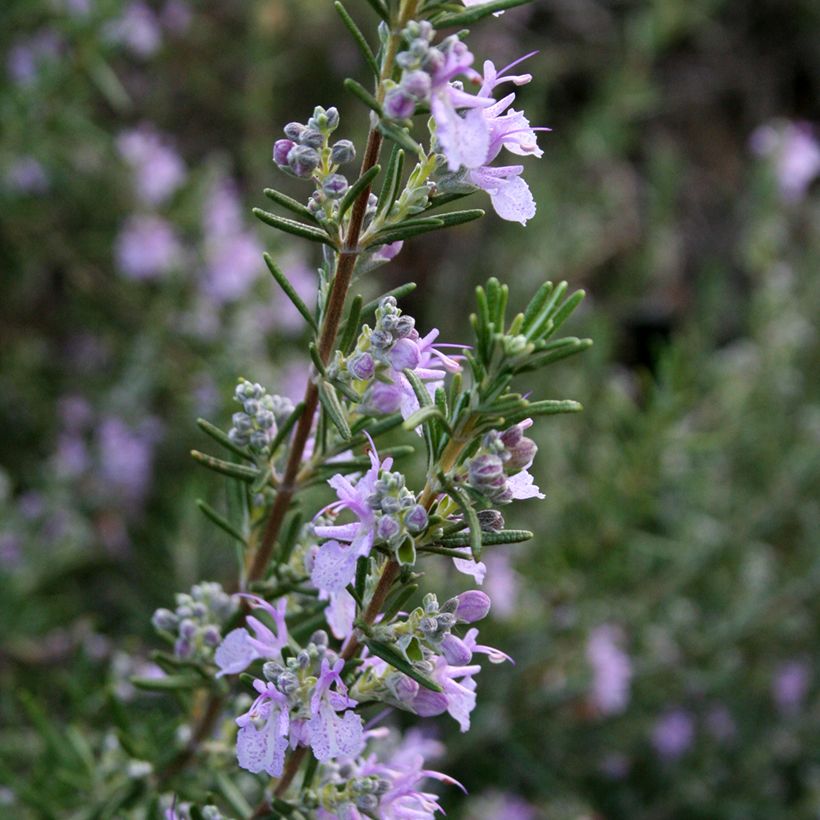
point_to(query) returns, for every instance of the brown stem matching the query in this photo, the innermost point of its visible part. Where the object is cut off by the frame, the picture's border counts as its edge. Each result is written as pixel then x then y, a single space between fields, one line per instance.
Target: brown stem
pixel 327 340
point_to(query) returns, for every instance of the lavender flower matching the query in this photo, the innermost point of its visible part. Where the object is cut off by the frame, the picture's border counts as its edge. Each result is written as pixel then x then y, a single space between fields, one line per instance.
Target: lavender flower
pixel 790 685
pixel 611 670
pixel 126 456
pixel 239 648
pixel 157 168
pixel 232 253
pixel 673 734
pixel 147 248
pixel 795 152
pixel 28 56
pixel 27 176
pixel 137 29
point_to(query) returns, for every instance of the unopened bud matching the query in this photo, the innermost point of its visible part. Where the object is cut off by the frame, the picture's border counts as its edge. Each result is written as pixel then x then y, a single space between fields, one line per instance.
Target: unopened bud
pixel 342 152
pixel 416 518
pixel 490 520
pixel 398 104
pixel 455 651
pixel 303 160
pixel 293 130
pixel 281 149
pixel 473 605
pixel 361 366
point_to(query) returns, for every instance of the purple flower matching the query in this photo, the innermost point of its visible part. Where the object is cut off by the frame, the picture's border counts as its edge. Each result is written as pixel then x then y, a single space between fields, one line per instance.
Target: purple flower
pixel 790 684
pixel 176 16
pixel 331 734
pixel 137 29
pixel 239 648
pixel 673 733
pixel 263 732
pixel 26 57
pixel 335 563
pixel 795 151
pixel 27 176
pixel 147 248
pixel 473 605
pixel 126 457
pixel 158 169
pixel 468 566
pixel 611 670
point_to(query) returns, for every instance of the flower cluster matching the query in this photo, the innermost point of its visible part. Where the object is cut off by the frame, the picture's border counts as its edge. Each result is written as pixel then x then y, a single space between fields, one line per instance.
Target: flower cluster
pixel 197 620
pixel 374 370
pixel 469 129
pixel 301 702
pixel 256 426
pixel 427 641
pixel 499 470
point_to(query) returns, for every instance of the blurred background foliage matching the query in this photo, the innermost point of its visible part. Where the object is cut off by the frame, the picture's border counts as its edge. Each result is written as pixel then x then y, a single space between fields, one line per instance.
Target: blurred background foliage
pixel 665 619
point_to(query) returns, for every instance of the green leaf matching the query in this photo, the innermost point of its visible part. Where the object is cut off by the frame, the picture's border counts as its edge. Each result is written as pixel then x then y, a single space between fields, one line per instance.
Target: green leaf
pixel 545 408
pixel 317 359
pixel 333 408
pixel 402 231
pixel 392 178
pixel 487 538
pixel 401 137
pixel 397 661
pixel 168 683
pixel 358 37
pixel 363 94
pixel 289 536
pixel 362 568
pixel 440 200
pixel 424 415
pixel 350 329
pixel 293 227
pixel 221 522
pixel 564 312
pixel 460 217
pixel 228 468
pixel 570 347
pixel 291 204
pixel 406 553
pixel 539 325
pixel 397 600
pixel 286 286
pixel 466 18
pixel 536 304
pixel 380 8
pixel 222 438
pixel 357 188
pixel 471 517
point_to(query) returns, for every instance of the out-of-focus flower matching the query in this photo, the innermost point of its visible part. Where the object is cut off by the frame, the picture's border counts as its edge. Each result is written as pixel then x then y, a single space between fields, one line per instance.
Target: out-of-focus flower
pixel 611 670
pixel 790 684
pixel 27 56
pixel 795 152
pixel 158 169
pixel 673 733
pixel 137 29
pixel 126 457
pixel 233 254
pixel 27 176
pixel 147 248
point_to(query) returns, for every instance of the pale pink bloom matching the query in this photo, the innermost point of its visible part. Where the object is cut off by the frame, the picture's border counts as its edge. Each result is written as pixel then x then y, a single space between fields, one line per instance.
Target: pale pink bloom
pixel 611 670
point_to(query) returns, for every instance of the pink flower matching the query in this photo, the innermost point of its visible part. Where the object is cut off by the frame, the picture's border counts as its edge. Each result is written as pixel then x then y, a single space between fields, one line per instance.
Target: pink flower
pixel 239 648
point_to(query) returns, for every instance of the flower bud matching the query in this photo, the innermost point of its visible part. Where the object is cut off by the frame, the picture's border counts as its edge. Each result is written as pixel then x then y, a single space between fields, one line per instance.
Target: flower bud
pixel 281 149
pixel 416 518
pixel 486 472
pixel 416 84
pixel 361 366
pixel 490 520
pixel 398 104
pixel 455 651
pixel 211 635
pixel 473 605
pixel 380 339
pixel 404 327
pixel 342 152
pixel 335 186
pixel 165 620
pixel 293 130
pixel 387 528
pixel 523 454
pixel 258 440
pixel 303 160
pixel 187 629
